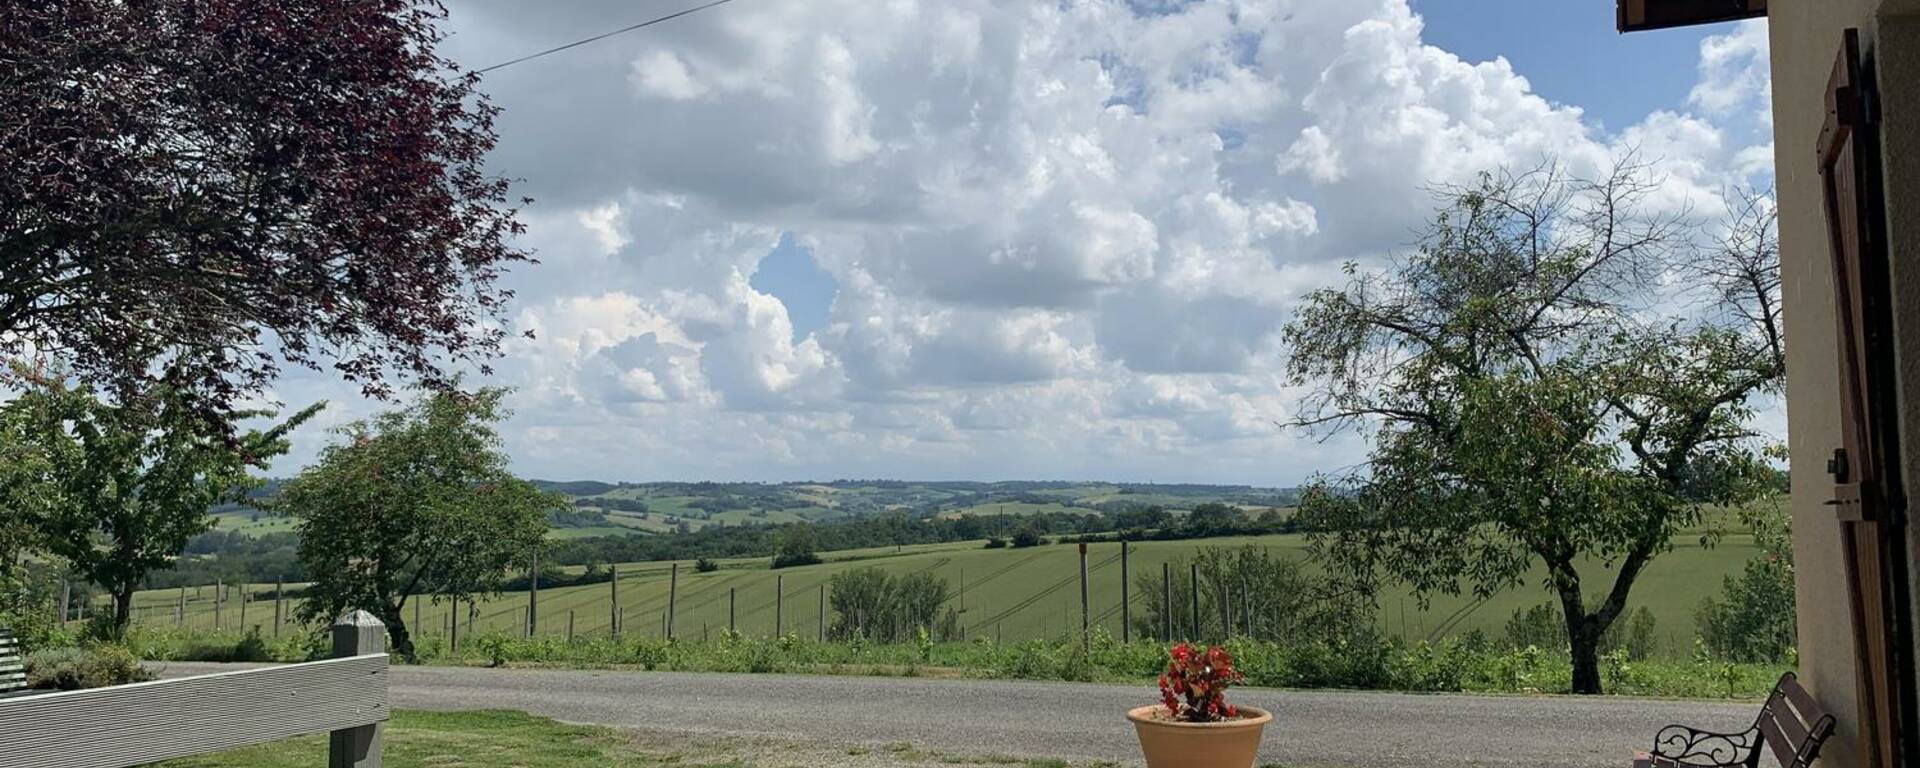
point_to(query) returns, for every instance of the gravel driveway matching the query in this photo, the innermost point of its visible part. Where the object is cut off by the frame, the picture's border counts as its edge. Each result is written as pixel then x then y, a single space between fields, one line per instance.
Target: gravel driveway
pixel 1074 721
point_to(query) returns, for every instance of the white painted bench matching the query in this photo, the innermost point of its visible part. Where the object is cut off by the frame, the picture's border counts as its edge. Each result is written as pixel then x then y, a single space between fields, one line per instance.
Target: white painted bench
pixel 13 663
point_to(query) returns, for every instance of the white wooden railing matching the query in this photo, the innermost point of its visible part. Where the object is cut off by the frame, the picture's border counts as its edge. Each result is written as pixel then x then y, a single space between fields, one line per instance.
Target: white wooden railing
pixel 129 725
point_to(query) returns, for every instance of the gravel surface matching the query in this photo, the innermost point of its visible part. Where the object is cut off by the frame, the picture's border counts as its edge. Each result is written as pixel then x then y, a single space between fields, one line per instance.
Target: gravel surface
pixel 1073 721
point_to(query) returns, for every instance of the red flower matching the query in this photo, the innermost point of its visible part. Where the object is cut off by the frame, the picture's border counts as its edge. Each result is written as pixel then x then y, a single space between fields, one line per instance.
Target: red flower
pixel 1195 684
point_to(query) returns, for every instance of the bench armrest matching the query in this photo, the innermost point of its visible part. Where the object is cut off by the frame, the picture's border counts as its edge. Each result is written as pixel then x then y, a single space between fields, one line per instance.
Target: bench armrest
pixel 1693 747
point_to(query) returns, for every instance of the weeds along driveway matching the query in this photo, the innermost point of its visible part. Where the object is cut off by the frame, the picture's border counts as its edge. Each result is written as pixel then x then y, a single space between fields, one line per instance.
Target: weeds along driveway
pixel 1075 721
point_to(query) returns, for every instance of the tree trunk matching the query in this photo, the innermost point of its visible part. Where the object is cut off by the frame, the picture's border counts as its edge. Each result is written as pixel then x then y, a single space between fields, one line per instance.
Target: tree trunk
pixel 1585 645
pixel 1583 631
pixel 398 634
pixel 122 610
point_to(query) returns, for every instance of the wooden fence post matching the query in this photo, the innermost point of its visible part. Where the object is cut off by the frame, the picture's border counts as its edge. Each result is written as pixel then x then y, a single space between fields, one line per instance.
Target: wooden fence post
pixel 1126 610
pixel 243 606
pixel 1246 607
pixel 1166 600
pixel 1226 611
pixel 219 590
pixel 963 604
pixel 417 626
pixel 569 625
pixel 533 594
pixel 1193 578
pixel 66 601
pixel 453 626
pixel 730 603
pixel 613 620
pixel 279 605
pixel 1086 619
pixel 823 613
pixel 673 595
pixel 779 603
pixel 356 634
pixel 180 612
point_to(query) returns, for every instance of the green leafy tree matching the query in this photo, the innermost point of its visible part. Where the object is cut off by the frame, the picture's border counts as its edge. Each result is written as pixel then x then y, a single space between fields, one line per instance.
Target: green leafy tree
pixel 127 483
pixel 1270 597
pixel 1557 377
pixel 416 501
pixel 870 604
pixel 25 492
pixel 1031 534
pixel 1213 519
pixel 796 547
pixel 1752 619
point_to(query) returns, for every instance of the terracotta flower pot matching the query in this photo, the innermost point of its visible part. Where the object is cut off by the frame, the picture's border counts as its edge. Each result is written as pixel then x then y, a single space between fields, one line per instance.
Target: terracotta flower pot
pixel 1170 743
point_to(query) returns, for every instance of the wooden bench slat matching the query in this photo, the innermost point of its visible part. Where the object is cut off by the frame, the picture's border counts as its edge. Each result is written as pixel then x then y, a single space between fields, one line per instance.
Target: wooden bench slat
pixel 160 720
pixel 1789 725
pixel 1802 701
pixel 1770 733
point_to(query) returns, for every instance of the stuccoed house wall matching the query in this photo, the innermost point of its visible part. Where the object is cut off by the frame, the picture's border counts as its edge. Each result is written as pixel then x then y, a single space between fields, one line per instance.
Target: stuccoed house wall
pixel 1805 38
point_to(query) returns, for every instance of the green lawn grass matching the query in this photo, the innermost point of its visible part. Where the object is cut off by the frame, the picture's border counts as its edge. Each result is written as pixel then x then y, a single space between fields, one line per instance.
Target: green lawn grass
pixel 485 739
pixel 503 739
pixel 1012 594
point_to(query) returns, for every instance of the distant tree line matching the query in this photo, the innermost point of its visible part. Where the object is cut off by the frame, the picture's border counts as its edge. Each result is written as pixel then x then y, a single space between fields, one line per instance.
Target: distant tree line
pixel 235 557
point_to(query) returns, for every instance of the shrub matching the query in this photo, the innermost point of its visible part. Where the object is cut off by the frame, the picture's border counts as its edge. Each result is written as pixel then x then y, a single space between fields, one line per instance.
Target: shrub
pixel 1028 536
pixel 1540 626
pixel 1634 635
pixel 1753 617
pixel 796 547
pixel 706 565
pixel 996 543
pixel 795 559
pixel 72 669
pixel 1194 687
pixel 869 604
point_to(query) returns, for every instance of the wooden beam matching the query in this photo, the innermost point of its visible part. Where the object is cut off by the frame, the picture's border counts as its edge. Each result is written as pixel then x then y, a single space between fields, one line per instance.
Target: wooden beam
pixel 1642 15
pixel 149 722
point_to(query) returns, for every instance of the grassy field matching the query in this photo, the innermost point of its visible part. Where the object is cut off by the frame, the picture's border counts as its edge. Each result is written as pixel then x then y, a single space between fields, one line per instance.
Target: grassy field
pixel 500 739
pixel 1014 508
pixel 253 523
pixel 1010 594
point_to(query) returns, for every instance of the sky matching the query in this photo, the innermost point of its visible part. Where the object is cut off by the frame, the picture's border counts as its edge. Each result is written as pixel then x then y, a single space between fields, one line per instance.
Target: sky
pixel 997 239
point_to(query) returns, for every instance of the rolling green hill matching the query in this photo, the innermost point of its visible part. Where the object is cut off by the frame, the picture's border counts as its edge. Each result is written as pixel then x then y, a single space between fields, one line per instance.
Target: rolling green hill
pixel 1009 594
pixel 655 508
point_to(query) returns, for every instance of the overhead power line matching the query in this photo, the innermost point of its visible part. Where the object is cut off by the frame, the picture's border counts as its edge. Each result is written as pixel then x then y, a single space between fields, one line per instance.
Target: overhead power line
pixel 604 35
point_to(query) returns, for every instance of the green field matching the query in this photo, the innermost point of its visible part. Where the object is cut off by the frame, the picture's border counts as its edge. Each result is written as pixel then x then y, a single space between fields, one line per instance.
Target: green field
pixel 1014 508
pixel 1011 594
pixel 253 523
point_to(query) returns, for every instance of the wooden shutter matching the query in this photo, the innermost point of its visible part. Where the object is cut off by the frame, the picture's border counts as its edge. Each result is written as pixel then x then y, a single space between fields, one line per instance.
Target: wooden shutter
pixel 1865 468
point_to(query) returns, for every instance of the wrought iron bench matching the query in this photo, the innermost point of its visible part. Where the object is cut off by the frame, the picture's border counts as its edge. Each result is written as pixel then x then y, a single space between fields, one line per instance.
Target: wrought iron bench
pixel 13 663
pixel 1791 723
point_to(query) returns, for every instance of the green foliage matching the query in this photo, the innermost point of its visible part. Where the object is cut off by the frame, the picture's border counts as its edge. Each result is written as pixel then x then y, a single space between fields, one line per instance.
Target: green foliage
pixel 796 547
pixel 1362 660
pixel 411 502
pixel 1542 626
pixel 1753 617
pixel 871 605
pixel 1287 602
pixel 126 483
pixel 705 565
pixel 72 668
pixel 1029 535
pixel 1525 408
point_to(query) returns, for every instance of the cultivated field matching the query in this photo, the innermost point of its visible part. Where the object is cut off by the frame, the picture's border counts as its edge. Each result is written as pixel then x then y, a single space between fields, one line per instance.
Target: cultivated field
pixel 1009 594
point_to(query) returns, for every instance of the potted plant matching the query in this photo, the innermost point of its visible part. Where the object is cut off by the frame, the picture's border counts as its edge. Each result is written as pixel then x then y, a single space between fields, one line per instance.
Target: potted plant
pixel 1194 726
